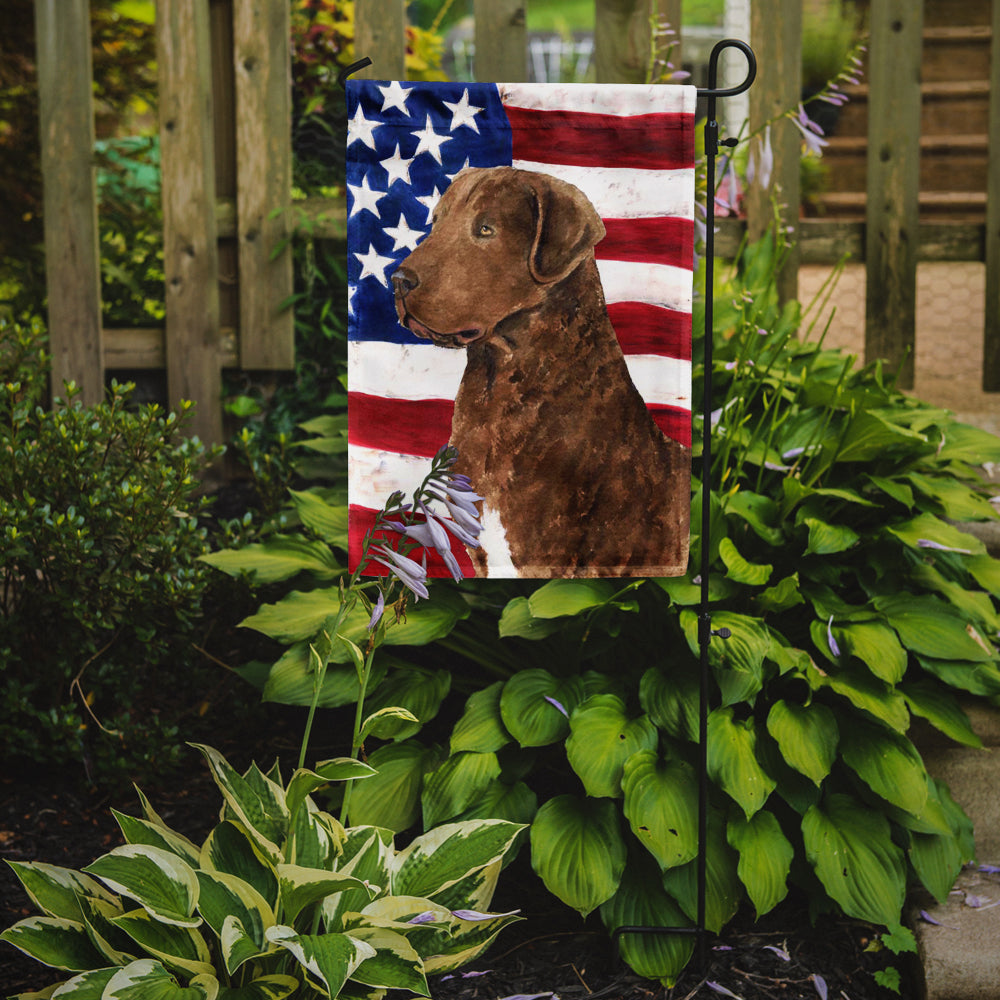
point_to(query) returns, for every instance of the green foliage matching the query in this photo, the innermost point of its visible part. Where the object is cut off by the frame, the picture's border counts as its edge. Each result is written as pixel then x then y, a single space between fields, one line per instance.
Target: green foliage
pixel 99 539
pixel 279 899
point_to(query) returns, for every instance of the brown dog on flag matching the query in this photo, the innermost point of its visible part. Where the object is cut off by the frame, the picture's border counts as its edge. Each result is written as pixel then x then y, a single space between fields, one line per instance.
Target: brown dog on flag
pixel 577 479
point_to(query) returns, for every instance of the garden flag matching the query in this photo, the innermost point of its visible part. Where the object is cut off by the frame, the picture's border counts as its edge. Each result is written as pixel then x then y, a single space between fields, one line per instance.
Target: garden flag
pixel 520 282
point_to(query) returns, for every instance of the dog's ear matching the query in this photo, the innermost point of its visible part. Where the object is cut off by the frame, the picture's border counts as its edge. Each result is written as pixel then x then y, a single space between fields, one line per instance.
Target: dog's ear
pixel 567 227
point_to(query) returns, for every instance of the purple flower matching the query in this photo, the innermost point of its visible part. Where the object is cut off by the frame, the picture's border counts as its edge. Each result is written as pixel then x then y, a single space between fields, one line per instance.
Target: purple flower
pixel 558 705
pixel 761 164
pixel 427 917
pixel 780 952
pixel 475 915
pixel 820 983
pixel 411 574
pixel 811 132
pixel 377 612
pixel 834 648
pixel 719 988
pixel 927 543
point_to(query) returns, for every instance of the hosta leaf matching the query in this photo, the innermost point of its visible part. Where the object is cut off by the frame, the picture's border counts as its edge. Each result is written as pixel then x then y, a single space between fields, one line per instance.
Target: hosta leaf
pixel 147 979
pixel 56 891
pixel 941 709
pixel 986 571
pixel 957 501
pixel 870 435
pixel 516 803
pixel 330 959
pixel 465 941
pixel 387 723
pixel 530 706
pixel 876 646
pixel 225 897
pixel 783 595
pixel 291 680
pixel 415 689
pixel 827 539
pixel 366 855
pixel 723 889
pixel 866 692
pixel 739 569
pixel 395 964
pixel 758 511
pixel 965 443
pixel 391 798
pixel 280 557
pixel 87 986
pixel 456 784
pixel 558 598
pixel 850 848
pixel 937 858
pixel 888 763
pixel 578 851
pixel 601 739
pixel 765 858
pixel 141 831
pixel 517 620
pixel 441 857
pixel 738 661
pixel 976 605
pixel 732 760
pixel 928 528
pixel 671 699
pixel 931 628
pixel 481 727
pixel 159 881
pixel 327 520
pixel 807 736
pixel 274 987
pixel 301 887
pixel 304 782
pixel 661 799
pixel 230 849
pixel 98 916
pixel 976 678
pixel 641 901
pixel 180 948
pixel 54 941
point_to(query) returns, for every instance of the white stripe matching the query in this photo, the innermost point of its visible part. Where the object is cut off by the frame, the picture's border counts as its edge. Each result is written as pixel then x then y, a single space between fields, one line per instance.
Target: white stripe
pixel 602 99
pixel 661 381
pixel 656 284
pixel 373 475
pixel 624 192
pixel 404 371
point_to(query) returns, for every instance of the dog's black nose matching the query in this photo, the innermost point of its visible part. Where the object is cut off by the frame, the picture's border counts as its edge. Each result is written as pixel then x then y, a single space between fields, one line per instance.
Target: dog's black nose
pixel 404 281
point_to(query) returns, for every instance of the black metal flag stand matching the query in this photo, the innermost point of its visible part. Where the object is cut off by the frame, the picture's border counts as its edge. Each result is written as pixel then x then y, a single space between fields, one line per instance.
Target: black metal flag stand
pixel 705 631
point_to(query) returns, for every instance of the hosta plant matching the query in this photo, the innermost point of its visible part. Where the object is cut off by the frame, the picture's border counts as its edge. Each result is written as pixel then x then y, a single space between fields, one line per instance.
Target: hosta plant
pixel 279 900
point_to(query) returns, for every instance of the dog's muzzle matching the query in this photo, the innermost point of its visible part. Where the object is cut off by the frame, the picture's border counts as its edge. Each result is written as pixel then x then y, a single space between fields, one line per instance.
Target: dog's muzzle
pixel 403 282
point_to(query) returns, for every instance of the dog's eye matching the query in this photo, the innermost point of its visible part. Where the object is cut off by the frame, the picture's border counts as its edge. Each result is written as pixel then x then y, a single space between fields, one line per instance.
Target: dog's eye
pixel 485 230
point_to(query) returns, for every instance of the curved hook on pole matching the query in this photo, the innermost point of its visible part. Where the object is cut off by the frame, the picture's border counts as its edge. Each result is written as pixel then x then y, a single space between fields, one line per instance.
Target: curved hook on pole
pixel 353 68
pixel 713 69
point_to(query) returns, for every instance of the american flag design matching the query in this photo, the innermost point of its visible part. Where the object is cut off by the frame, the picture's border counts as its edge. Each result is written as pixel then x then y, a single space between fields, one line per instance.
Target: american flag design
pixel 629 148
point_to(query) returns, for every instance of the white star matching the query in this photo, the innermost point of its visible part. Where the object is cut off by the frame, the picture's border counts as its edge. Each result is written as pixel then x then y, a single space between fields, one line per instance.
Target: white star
pixel 365 197
pixel 463 113
pixel 397 168
pixel 361 128
pixel 373 265
pixel 403 236
pixel 430 141
pixel 464 166
pixel 395 97
pixel 430 203
pixel 351 289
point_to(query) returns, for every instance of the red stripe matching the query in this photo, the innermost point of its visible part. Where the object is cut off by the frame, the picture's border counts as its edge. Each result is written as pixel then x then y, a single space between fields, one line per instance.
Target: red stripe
pixel 647 329
pixel 673 421
pixel 582 139
pixel 362 519
pixel 653 240
pixel 409 427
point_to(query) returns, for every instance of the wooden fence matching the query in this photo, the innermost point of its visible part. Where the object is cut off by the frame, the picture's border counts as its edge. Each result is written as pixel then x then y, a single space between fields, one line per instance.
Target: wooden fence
pixel 226 160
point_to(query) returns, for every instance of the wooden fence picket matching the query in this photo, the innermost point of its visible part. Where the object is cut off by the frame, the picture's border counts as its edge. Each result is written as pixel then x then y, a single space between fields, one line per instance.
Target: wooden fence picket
pixel 380 34
pixel 991 332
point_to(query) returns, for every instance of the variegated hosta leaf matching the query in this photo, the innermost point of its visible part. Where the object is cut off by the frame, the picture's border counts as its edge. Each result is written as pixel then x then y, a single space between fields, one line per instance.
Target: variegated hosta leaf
pixel 765 858
pixel 256 801
pixel 476 890
pixel 395 964
pixel 467 940
pixel 304 782
pixel 149 980
pixel 367 853
pixel 300 887
pixel 230 849
pixel 481 727
pixel 602 737
pixel 441 857
pixel 315 838
pixel 158 880
pixel 642 902
pixel 87 986
pixel 732 760
pixel 177 947
pixel 54 941
pixel 661 799
pixel 141 831
pixel 456 784
pixel 578 851
pixel 56 891
pixel 225 897
pixel 275 987
pixel 850 847
pixel 116 946
pixel 329 959
pixel 807 736
pixel 724 891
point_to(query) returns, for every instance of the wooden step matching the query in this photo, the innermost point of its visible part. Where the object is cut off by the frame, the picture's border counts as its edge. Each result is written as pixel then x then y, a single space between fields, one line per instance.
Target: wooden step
pixel 957 206
pixel 956 53
pixel 947 163
pixel 940 13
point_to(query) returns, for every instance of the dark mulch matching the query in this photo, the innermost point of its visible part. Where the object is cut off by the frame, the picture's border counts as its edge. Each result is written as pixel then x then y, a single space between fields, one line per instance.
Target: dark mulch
pixel 551 951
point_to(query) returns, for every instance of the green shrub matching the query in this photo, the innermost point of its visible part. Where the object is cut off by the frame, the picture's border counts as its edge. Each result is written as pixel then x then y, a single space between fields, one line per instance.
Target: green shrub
pixel 99 542
pixel 280 899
